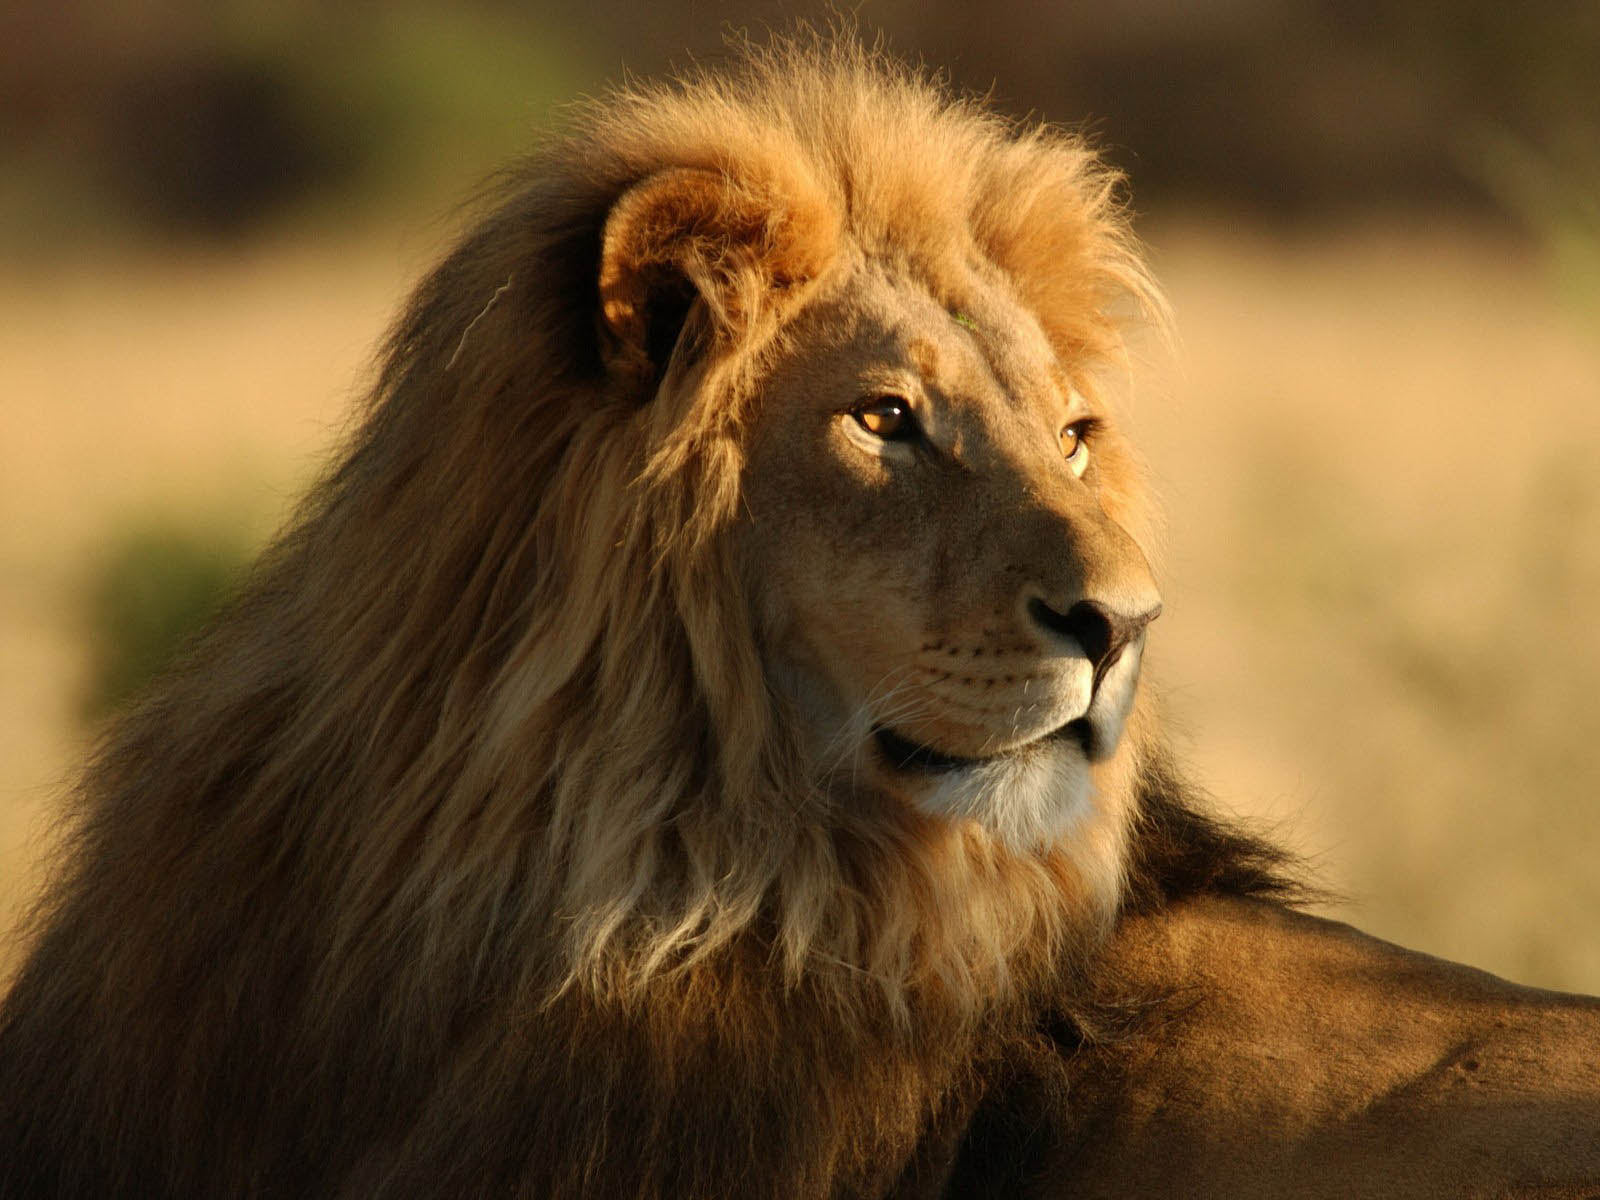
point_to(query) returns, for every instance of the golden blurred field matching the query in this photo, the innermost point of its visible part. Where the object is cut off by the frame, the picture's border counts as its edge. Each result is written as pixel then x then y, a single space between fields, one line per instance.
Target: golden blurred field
pixel 1380 451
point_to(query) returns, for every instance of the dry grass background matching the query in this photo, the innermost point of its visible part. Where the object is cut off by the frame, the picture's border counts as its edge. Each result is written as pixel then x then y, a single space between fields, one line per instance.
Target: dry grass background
pixel 1380 451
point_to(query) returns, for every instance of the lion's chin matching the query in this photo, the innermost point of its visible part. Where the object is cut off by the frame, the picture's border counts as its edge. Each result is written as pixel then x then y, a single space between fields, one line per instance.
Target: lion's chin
pixel 1029 798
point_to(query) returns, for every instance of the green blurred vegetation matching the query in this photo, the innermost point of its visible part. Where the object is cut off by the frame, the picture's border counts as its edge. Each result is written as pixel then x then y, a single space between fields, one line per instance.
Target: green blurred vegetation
pixel 1555 193
pixel 153 586
pixel 182 119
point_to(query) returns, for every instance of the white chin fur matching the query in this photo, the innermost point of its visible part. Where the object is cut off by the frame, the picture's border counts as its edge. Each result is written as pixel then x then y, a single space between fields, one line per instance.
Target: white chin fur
pixel 1027 801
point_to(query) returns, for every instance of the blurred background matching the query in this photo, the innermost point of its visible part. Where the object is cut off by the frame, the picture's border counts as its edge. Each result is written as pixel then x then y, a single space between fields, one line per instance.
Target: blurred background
pixel 1379 438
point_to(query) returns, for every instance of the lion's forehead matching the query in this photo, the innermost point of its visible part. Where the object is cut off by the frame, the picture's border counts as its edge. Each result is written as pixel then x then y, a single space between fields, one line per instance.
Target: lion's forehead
pixel 980 355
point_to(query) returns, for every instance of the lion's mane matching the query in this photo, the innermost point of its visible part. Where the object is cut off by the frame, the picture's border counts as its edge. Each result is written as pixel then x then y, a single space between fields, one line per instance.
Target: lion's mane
pixel 471 853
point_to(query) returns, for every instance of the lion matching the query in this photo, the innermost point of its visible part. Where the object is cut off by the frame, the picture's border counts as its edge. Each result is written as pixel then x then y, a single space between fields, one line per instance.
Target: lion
pixel 691 743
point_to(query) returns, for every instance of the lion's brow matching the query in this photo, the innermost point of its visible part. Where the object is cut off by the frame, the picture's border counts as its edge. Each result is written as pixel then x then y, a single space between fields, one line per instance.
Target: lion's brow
pixel 924 354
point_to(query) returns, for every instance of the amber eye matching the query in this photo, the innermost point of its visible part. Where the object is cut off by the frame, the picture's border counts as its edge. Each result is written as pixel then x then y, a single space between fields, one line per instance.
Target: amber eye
pixel 887 417
pixel 1075 446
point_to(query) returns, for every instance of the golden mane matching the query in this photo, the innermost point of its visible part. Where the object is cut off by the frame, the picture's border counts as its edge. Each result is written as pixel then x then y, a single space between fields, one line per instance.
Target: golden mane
pixel 599 658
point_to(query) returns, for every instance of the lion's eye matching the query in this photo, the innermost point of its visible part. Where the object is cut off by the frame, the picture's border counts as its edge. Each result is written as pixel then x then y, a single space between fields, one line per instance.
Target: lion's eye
pixel 887 417
pixel 1075 446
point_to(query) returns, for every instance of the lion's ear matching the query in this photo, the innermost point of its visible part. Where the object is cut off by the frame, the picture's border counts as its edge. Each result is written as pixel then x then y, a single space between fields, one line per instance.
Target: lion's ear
pixel 688 234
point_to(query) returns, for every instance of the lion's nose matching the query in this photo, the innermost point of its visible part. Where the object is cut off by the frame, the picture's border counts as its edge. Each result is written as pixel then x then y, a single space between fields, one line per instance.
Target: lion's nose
pixel 1101 631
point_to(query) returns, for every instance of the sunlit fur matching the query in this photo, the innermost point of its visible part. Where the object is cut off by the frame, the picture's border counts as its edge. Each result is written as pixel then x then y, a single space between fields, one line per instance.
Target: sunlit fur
pixel 470 852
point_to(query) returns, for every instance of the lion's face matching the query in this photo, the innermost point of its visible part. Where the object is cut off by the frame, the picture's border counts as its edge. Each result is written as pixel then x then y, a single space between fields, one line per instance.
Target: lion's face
pixel 945 593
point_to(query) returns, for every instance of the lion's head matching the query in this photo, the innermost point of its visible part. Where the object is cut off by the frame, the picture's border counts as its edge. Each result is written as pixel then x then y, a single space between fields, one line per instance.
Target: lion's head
pixel 854 570
pixel 805 563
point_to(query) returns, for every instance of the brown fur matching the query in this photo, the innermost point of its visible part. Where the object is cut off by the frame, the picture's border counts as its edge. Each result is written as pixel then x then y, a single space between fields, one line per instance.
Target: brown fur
pixel 1297 1057
pixel 474 853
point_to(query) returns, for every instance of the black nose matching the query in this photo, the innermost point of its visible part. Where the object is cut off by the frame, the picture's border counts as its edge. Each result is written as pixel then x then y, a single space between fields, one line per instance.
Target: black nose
pixel 1101 631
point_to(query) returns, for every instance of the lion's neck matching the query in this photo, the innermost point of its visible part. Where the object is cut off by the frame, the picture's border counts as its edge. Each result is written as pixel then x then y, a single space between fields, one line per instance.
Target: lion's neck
pixel 758 1076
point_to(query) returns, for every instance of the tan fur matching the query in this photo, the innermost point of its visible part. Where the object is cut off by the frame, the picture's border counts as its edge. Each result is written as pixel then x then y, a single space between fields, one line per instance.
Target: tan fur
pixel 1298 1057
pixel 521 831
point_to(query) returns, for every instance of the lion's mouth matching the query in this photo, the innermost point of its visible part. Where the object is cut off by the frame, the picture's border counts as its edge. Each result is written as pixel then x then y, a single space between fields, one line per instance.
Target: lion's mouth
pixel 905 755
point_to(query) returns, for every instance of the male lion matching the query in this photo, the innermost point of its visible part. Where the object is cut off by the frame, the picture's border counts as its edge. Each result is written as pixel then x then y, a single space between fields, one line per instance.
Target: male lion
pixel 690 745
